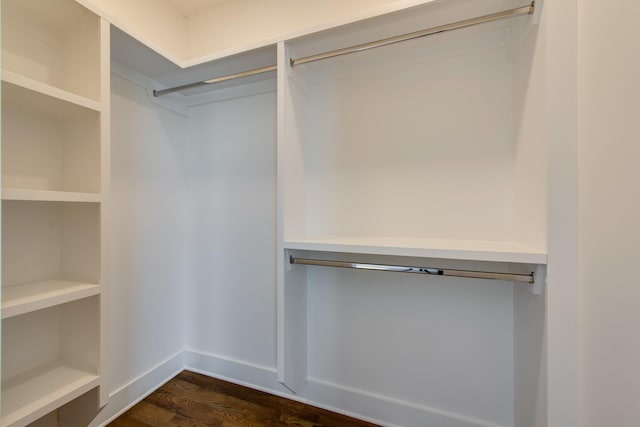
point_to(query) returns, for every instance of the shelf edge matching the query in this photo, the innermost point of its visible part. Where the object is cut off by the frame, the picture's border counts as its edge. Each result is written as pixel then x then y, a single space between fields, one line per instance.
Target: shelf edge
pixel 49 196
pixel 35 303
pixel 48 90
pixel 522 257
pixel 22 416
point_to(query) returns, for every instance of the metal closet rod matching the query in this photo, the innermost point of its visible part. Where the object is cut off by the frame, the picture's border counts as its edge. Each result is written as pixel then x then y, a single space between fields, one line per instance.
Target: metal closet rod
pixel 525 10
pixel 512 13
pixel 525 278
pixel 217 80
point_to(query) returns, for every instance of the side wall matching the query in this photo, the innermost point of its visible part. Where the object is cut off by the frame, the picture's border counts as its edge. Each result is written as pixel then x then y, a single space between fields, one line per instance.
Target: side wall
pixel 149 237
pixel 231 302
pixel 609 154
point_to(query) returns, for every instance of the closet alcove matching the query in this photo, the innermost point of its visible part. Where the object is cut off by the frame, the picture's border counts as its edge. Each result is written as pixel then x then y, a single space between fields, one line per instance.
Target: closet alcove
pixel 429 153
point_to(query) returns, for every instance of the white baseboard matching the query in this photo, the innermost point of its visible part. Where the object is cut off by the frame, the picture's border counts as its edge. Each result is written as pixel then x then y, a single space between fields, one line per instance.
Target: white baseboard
pixel 401 413
pixel 243 373
pixel 333 397
pixel 133 392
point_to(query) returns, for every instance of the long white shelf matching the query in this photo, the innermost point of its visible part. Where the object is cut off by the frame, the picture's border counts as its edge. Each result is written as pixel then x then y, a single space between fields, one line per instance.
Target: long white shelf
pixel 48 196
pixel 21 90
pixel 21 299
pixel 35 394
pixel 468 250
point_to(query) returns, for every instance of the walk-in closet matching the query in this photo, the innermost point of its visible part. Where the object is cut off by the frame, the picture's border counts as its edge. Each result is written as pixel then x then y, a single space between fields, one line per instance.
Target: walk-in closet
pixel 367 206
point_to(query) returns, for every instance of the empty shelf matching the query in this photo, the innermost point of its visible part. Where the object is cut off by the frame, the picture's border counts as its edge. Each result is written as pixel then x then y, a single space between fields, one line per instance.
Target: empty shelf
pixel 48 196
pixel 21 299
pixel 35 394
pixel 21 90
pixel 469 250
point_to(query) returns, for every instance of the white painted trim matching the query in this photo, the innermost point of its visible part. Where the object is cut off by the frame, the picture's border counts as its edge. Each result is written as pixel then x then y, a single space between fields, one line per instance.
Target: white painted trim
pixel 563 289
pixel 262 378
pixel 337 398
pixel 128 395
pixel 333 397
pixel 224 368
pixel 379 406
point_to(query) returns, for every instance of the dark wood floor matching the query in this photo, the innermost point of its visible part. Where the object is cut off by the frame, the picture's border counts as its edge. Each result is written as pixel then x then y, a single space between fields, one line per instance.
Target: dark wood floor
pixel 192 399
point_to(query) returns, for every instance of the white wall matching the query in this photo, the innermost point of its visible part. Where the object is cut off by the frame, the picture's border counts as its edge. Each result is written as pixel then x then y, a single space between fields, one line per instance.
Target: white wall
pixel 231 301
pixel 609 158
pixel 436 343
pixel 148 266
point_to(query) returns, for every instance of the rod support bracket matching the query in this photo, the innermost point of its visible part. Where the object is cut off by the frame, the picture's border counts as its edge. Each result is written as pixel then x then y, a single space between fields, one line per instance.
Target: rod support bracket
pixel 539 279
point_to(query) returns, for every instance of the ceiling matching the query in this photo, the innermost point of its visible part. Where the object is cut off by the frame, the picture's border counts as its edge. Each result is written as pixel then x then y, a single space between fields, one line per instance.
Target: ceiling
pixel 190 7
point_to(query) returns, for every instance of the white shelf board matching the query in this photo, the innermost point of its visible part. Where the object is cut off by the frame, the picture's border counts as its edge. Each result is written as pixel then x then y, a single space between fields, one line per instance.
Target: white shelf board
pixel 35 394
pixel 468 250
pixel 48 196
pixel 21 90
pixel 21 299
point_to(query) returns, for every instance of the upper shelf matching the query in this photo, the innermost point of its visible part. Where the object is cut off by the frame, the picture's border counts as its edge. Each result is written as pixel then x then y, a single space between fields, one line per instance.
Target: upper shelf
pixel 49 196
pixel 21 90
pixel 54 43
pixel 467 250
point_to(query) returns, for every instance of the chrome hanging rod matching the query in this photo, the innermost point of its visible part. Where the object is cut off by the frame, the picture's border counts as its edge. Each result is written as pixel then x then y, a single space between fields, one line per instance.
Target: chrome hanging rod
pixel 216 80
pixel 512 13
pixel 525 278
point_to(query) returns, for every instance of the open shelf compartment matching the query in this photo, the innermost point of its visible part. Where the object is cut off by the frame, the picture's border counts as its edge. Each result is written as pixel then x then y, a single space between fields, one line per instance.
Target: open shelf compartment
pixel 55 43
pixel 50 357
pixel 49 143
pixel 48 249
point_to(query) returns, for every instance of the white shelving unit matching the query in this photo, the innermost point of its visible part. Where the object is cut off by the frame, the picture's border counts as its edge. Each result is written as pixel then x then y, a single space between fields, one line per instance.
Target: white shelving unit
pixel 55 173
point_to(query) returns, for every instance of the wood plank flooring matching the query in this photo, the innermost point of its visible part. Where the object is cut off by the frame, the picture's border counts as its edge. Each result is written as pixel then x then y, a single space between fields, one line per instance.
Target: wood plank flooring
pixel 192 399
